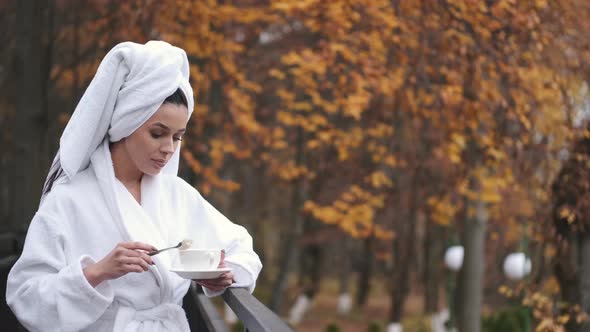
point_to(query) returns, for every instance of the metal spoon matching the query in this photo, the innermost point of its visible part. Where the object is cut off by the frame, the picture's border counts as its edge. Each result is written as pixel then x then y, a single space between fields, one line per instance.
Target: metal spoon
pixel 184 244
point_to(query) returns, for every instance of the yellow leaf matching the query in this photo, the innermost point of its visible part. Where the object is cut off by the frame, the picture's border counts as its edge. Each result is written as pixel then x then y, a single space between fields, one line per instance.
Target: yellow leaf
pixel 379 179
pixel 277 74
pixel 491 197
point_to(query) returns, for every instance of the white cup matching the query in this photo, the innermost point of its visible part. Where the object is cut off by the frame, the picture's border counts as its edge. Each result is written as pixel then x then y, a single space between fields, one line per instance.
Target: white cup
pixel 199 259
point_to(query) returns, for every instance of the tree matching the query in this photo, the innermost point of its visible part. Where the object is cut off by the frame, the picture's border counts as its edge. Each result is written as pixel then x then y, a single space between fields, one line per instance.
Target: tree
pixel 27 150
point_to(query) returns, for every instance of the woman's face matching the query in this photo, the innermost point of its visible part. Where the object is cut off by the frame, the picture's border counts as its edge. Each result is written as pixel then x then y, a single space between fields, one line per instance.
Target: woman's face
pixel 151 146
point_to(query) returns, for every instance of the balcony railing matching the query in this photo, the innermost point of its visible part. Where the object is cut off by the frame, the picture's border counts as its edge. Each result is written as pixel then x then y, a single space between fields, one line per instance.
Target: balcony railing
pixel 255 316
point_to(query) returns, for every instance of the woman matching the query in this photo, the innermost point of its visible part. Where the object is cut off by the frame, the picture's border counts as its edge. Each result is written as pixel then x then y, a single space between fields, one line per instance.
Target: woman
pixel 112 196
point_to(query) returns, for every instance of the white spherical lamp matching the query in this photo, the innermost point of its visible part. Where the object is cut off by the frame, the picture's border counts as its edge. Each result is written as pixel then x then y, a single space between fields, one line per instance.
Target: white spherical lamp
pixel 344 303
pixel 454 257
pixel 517 266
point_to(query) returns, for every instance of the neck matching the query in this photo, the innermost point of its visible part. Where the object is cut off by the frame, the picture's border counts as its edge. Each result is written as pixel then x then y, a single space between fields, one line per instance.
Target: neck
pixel 125 170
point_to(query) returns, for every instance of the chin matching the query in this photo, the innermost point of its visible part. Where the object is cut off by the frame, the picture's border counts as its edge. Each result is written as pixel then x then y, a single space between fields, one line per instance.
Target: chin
pixel 153 172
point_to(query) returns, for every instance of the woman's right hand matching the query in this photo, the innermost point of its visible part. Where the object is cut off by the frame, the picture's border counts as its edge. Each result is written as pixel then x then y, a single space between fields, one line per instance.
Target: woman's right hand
pixel 124 258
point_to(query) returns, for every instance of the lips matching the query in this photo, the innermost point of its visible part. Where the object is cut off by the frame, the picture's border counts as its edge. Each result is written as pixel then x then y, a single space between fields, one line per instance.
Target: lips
pixel 160 163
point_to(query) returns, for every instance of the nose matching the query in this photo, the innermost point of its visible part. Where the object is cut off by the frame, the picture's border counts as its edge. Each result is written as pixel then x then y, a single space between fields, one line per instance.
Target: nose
pixel 168 146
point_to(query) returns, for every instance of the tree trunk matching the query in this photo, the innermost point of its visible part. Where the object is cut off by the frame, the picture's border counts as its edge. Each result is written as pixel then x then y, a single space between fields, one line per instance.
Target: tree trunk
pixel 310 260
pixel 294 232
pixel 260 217
pixel 27 168
pixel 345 268
pixel 289 253
pixel 310 275
pixel 585 277
pixel 311 253
pixel 572 271
pixel 472 272
pixel 401 269
pixel 54 127
pixel 344 299
pixel 404 246
pixel 366 269
pixel 434 252
pixel 309 281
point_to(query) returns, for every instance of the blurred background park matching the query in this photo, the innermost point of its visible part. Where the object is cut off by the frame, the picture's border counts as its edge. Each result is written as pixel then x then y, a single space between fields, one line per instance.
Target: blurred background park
pixel 398 163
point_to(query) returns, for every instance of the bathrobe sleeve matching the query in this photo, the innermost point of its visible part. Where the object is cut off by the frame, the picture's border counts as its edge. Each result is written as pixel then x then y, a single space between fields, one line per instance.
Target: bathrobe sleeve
pixel 45 290
pixel 233 238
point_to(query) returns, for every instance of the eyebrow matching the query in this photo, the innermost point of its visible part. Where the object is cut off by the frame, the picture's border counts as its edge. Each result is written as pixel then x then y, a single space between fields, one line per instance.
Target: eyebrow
pixel 163 126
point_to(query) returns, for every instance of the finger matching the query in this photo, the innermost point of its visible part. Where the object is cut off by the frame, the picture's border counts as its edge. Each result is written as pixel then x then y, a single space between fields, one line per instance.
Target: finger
pixel 223 284
pixel 218 284
pixel 135 261
pixel 225 278
pixel 143 246
pixel 147 258
pixel 204 284
pixel 138 246
pixel 140 254
pixel 131 253
pixel 222 260
pixel 218 287
pixel 213 281
pixel 209 285
pixel 133 268
pixel 229 275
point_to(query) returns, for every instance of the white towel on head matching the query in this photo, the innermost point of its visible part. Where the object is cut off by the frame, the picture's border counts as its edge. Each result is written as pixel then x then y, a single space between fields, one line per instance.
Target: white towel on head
pixel 130 85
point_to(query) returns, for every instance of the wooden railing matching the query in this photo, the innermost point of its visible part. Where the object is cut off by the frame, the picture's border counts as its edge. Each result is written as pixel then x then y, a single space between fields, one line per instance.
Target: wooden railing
pixel 254 315
pixel 203 316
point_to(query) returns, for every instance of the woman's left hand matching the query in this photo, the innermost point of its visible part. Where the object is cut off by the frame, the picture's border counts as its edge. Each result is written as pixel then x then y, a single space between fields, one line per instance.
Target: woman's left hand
pixel 222 282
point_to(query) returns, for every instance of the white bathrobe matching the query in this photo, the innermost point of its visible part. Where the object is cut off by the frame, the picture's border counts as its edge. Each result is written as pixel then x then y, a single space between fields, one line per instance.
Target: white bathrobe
pixel 81 221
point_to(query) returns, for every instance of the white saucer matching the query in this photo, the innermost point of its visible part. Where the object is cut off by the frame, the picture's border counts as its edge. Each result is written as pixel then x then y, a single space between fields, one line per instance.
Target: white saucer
pixel 212 274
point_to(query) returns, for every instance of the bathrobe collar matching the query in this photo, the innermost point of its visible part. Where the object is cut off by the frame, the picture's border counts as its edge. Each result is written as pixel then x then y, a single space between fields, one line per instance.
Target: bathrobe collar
pixel 134 222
